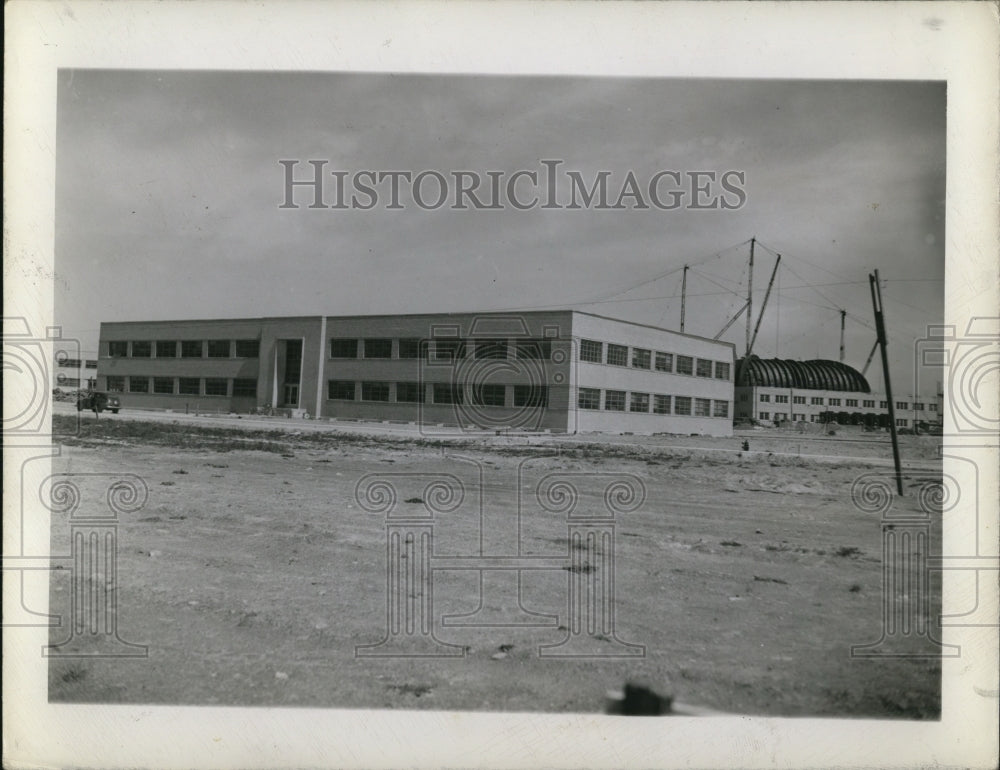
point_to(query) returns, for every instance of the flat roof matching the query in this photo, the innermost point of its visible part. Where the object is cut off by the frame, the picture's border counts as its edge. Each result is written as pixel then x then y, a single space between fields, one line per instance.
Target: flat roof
pixel 418 315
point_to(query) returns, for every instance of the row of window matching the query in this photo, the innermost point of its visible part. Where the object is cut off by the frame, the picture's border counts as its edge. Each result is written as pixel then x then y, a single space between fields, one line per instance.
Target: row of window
pixel 782 416
pixel 184 349
pixel 75 363
pixel 184 386
pixel 621 401
pixel 596 352
pixel 819 401
pixel 440 393
pixel 440 350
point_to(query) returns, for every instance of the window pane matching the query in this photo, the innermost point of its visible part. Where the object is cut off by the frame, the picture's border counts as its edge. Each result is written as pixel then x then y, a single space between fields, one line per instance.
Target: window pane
pixel 247 348
pixel 491 349
pixel 448 394
pixel 703 407
pixel 163 384
pixel 409 348
pixel 374 391
pixel 189 386
pixel 218 348
pixel 142 349
pixel 343 348
pixel 592 351
pixel 116 384
pixel 614 400
pixel 449 350
pixel 661 404
pixel 378 348
pixel 537 349
pixel 638 402
pixel 489 395
pixel 533 395
pixel 704 368
pixel 721 370
pixel 215 386
pixel 640 358
pixel 190 348
pixel 138 384
pixel 410 392
pixel 589 398
pixel 166 349
pixel 341 390
pixel 720 409
pixel 617 355
pixel 117 349
pixel 685 365
pixel 245 387
pixel 682 405
pixel 664 362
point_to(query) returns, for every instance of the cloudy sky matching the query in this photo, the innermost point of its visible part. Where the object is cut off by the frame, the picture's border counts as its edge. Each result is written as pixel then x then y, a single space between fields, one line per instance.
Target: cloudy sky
pixel 169 190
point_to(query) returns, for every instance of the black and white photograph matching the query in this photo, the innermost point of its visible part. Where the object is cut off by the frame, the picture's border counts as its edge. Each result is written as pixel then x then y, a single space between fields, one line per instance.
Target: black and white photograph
pixel 370 403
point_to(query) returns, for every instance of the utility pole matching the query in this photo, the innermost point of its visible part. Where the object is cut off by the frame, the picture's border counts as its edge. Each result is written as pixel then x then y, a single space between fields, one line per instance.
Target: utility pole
pixel 684 288
pixel 753 242
pixel 876 289
pixel 843 315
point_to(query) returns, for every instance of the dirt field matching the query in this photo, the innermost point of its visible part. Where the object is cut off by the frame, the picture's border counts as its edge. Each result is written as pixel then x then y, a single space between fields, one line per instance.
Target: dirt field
pixel 252 573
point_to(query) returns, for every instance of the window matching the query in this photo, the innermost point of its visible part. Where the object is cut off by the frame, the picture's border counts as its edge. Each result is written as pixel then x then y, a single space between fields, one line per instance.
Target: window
pixel 901 422
pixel 117 349
pixel 744 396
pixel 932 407
pixel 918 406
pixel 661 404
pixel 374 391
pixel 142 349
pixel 409 392
pixel 166 349
pixel 685 365
pixel 163 384
pixel 780 416
pixel 70 363
pixel 531 395
pixel 638 402
pixel 138 384
pixel 244 387
pixel 190 348
pixel 340 390
pixel 704 368
pixel 902 404
pixel 248 348
pixel 90 364
pixel 779 399
pixel 721 370
pixel 537 349
pixel 116 384
pixel 682 405
pixel 449 350
pixel 798 399
pixel 834 402
pixel 816 401
pixel 614 400
pixel 720 409
pixel 591 351
pixel 640 358
pixel 703 407
pixel 491 349
pixel 664 362
pixel 883 404
pixel 216 386
pixel 343 348
pixel 448 394
pixel 377 348
pixel 851 402
pixel 869 404
pixel 799 417
pixel 218 348
pixel 589 398
pixel 409 348
pixel 68 382
pixel 489 395
pixel 617 355
pixel 189 386
pixel 813 418
pixel 765 398
pixel 764 416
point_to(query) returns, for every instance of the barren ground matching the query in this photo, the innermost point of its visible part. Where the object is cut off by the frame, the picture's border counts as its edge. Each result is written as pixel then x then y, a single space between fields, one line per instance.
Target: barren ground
pixel 252 573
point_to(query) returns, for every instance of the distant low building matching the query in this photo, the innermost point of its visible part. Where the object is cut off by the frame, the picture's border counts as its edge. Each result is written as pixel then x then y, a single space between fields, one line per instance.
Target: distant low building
pixel 562 371
pixel 74 373
pixel 781 391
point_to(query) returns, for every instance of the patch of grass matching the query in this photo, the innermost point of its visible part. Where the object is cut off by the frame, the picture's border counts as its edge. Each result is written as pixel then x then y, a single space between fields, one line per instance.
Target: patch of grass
pixel 414 500
pixel 847 550
pixel 731 544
